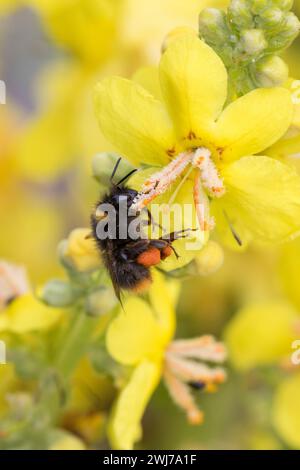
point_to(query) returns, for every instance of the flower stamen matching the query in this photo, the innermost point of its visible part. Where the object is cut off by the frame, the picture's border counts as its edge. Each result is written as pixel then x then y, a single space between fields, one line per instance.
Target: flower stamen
pixel 209 174
pixel 201 201
pixel 185 371
pixel 207 182
pixel 159 182
pixel 182 396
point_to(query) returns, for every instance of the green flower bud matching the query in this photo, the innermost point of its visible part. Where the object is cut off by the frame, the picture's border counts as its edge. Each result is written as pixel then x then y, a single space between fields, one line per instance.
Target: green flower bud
pixel 210 259
pixel 253 41
pixel 58 293
pixel 251 31
pixel 292 24
pixel 258 6
pixel 212 25
pixel 100 301
pixel 285 5
pixel 240 15
pixel 271 71
pixel 283 38
pixel 103 165
pixel 271 18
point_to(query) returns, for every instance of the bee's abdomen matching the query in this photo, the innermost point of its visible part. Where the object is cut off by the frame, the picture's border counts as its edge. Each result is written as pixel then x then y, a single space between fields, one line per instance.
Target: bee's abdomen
pixel 133 276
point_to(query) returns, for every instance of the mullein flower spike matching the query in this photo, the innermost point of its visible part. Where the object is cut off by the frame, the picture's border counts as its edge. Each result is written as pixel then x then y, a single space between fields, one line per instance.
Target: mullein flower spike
pixel 248 38
pixel 206 154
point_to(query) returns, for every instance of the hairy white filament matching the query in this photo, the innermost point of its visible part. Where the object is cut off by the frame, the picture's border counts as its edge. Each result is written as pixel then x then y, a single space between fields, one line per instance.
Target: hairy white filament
pixel 209 174
pixel 207 182
pixel 159 182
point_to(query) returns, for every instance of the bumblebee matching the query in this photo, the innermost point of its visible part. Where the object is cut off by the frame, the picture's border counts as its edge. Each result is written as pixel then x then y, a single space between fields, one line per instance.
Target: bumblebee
pixel 128 259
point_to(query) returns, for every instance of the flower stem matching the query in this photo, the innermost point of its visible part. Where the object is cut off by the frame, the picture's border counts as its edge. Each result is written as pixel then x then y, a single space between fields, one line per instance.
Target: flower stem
pixel 74 343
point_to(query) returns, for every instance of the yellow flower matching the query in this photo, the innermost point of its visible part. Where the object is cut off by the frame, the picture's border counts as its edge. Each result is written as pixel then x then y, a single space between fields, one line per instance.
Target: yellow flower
pixel 261 334
pixel 140 338
pixel 286 411
pixel 7 6
pixel 86 27
pixel 57 118
pixel 42 226
pixel 210 259
pixel 147 22
pixel 181 126
pixel 20 310
pixel 289 270
pixel 67 441
pixel 81 251
pixel 288 147
pixel 26 313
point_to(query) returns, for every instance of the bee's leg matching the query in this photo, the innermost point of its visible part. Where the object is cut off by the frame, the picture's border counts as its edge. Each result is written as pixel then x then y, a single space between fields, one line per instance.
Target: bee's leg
pixel 171 237
pixel 133 249
pixel 151 221
pixel 167 250
pixel 142 252
pixel 165 247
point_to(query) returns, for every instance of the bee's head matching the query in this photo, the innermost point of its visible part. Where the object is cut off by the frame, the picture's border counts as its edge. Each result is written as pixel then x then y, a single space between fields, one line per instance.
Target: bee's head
pixel 123 196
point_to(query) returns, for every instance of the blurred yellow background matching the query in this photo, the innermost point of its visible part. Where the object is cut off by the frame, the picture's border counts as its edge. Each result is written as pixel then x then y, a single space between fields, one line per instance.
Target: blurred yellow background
pixel 51 55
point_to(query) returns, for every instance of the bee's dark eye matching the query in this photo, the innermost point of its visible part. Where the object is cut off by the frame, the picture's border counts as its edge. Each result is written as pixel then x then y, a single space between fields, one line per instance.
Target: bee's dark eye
pixel 118 199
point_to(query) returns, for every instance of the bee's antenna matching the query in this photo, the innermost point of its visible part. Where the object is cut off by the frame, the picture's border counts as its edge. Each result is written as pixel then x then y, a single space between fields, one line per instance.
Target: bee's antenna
pixel 126 177
pixel 235 235
pixel 115 168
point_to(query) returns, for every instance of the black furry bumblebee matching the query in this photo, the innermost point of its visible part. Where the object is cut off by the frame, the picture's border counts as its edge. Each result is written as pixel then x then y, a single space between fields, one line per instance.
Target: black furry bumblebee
pixel 128 259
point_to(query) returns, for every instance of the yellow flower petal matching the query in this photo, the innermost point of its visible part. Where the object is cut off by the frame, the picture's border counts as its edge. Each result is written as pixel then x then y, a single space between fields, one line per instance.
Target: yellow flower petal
pixel 228 228
pixel 287 148
pixel 163 305
pixel 194 85
pixel 134 121
pixel 26 313
pixel 286 411
pixel 134 334
pixel 7 6
pixel 289 269
pixel 67 441
pixel 81 251
pixel 210 259
pixel 55 124
pixel 263 194
pixel 253 122
pixel 148 78
pixel 124 426
pixel 86 27
pixel 261 334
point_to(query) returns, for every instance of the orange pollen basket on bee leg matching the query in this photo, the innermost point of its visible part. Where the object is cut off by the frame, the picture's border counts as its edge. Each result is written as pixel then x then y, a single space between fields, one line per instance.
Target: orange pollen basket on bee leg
pixel 166 252
pixel 153 256
pixel 149 258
